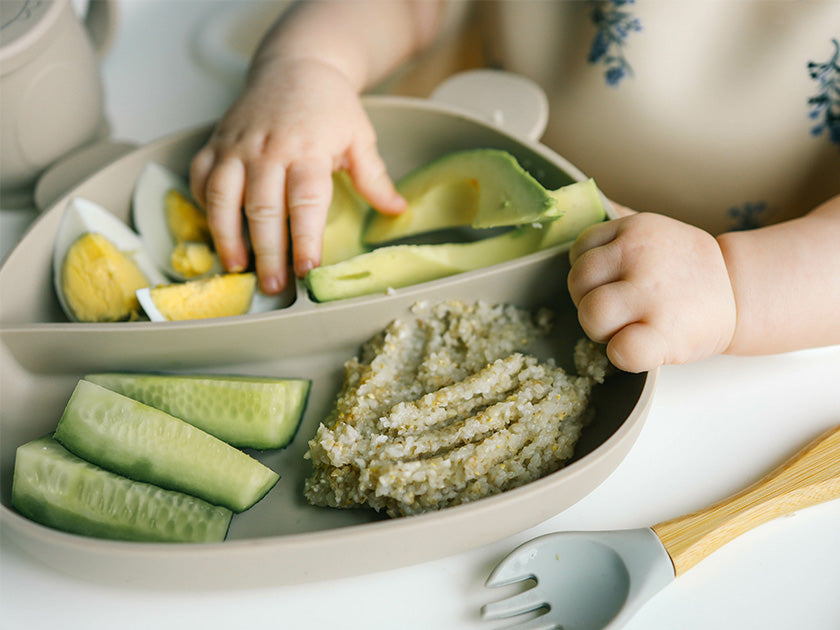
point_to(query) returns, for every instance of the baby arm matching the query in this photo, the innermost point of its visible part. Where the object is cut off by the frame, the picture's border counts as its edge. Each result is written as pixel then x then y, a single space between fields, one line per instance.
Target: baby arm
pixel 659 291
pixel 298 119
pixel 786 280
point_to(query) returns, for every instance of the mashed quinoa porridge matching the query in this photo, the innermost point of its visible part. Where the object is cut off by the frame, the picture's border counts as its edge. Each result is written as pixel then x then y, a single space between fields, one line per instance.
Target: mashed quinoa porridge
pixel 445 406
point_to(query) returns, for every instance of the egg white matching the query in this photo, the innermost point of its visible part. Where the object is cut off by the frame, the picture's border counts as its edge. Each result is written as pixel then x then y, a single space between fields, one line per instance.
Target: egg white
pixel 148 213
pixel 144 296
pixel 82 216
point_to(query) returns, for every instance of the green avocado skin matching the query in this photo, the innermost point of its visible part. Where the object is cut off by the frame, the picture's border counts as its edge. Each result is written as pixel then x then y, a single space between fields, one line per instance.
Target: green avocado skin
pixel 453 191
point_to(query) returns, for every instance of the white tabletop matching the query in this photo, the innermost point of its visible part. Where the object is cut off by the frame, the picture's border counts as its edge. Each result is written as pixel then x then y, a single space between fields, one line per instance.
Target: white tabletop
pixel 714 427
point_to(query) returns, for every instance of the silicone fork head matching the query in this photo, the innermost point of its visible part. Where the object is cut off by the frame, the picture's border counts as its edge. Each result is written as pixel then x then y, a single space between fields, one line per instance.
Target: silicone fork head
pixel 585 580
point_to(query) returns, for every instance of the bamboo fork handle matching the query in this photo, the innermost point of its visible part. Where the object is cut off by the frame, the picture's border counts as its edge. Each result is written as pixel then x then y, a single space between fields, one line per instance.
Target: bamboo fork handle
pixel 810 477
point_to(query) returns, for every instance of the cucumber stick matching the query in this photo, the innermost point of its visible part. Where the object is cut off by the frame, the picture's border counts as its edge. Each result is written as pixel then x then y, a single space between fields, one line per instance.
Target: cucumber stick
pixel 55 488
pixel 244 411
pixel 145 444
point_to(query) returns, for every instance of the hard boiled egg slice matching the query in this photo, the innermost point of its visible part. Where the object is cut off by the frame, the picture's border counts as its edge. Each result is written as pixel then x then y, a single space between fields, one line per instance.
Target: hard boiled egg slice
pixel 98 264
pixel 222 295
pixel 173 228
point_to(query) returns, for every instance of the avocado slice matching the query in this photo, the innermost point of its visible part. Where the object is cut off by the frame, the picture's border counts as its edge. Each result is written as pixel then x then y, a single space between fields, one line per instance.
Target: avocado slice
pixel 396 266
pixel 479 187
pixel 583 206
pixel 345 220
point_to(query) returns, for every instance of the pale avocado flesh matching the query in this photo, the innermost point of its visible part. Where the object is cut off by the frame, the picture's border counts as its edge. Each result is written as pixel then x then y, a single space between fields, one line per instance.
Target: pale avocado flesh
pixel 398 266
pixel 480 187
pixel 345 219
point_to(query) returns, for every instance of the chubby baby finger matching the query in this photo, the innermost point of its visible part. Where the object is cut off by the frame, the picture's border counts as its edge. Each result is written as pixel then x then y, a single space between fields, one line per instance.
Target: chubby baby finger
pixel 266 215
pixel 308 195
pixel 373 182
pixel 608 308
pixel 200 167
pixel 223 202
pixel 638 347
pixel 594 268
pixel 594 236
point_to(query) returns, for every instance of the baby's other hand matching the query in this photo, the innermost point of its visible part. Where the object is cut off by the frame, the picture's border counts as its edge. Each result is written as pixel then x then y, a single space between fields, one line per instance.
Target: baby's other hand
pixel 273 154
pixel 654 289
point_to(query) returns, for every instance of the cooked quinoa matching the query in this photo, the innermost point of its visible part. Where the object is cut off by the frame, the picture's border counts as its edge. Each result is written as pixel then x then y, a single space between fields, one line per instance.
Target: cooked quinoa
pixel 445 407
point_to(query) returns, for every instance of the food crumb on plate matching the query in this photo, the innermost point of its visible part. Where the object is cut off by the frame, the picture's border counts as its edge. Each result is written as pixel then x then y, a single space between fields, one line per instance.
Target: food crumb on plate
pixel 445 407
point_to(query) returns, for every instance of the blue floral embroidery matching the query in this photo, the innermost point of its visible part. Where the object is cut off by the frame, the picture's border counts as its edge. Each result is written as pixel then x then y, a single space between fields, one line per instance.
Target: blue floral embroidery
pixel 825 104
pixel 614 24
pixel 748 216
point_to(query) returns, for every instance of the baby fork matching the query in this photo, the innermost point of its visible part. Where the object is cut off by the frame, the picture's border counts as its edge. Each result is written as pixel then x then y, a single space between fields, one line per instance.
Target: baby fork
pixel 596 580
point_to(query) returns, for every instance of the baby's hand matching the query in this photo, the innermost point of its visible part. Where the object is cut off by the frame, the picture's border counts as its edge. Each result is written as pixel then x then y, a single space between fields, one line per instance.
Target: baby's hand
pixel 656 290
pixel 273 154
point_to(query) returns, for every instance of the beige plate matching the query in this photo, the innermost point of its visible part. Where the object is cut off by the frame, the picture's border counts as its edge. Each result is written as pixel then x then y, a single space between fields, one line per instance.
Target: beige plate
pixel 283 539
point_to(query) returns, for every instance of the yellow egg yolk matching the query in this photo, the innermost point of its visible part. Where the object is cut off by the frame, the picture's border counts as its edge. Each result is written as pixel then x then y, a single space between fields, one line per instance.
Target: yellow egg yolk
pixel 218 296
pixel 186 221
pixel 99 281
pixel 191 259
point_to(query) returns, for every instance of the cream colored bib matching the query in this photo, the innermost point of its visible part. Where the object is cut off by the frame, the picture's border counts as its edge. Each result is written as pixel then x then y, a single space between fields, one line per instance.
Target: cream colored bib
pixel 704 110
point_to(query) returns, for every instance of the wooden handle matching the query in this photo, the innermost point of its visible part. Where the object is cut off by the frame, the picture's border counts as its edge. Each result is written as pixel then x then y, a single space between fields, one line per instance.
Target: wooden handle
pixel 810 477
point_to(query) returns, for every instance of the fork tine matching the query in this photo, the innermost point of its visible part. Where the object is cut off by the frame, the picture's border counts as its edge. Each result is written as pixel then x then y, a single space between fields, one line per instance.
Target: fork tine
pixel 517 566
pixel 525 601
pixel 537 623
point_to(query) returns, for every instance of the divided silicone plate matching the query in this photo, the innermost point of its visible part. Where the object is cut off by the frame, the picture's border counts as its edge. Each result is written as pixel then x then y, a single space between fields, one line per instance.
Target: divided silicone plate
pixel 283 539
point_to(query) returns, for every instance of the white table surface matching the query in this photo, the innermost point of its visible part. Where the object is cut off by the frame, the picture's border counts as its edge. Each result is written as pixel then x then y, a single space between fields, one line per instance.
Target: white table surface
pixel 714 427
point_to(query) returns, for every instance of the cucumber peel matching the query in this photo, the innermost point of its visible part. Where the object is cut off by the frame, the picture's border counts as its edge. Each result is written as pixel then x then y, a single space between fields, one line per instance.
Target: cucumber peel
pixel 244 411
pixel 60 490
pixel 145 444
